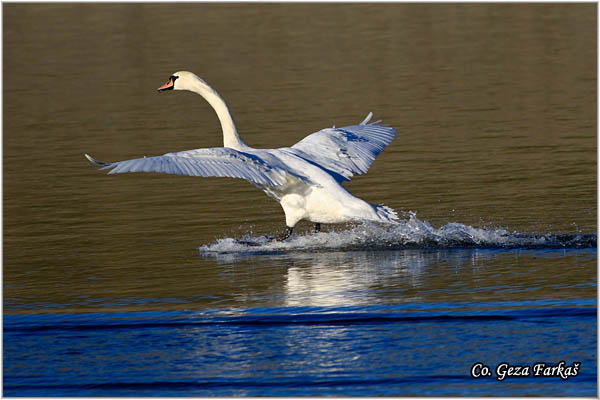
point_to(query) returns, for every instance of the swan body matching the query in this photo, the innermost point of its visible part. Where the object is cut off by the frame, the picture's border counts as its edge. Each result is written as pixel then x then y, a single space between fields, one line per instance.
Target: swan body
pixel 306 178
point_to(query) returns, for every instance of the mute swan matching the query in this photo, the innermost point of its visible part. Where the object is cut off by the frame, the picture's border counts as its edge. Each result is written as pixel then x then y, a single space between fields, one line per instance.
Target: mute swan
pixel 305 179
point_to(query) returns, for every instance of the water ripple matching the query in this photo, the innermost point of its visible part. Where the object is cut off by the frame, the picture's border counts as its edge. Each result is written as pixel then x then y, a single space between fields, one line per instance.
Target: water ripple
pixel 411 233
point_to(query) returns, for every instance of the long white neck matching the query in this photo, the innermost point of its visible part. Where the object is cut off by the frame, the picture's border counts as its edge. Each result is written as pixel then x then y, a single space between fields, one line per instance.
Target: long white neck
pixel 231 138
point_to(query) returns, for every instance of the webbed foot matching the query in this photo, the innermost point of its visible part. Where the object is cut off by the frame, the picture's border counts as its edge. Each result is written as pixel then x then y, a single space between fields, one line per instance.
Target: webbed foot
pixel 286 234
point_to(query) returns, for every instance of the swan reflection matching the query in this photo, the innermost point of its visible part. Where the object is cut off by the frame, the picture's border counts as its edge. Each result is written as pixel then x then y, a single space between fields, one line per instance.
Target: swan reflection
pixel 358 278
pixel 364 277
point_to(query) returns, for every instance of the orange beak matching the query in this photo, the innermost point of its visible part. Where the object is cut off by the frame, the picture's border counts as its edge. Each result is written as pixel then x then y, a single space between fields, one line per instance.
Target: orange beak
pixel 167 86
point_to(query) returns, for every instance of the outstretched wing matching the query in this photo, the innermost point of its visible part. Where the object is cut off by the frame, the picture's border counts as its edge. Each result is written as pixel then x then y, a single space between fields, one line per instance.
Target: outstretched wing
pixel 346 151
pixel 218 162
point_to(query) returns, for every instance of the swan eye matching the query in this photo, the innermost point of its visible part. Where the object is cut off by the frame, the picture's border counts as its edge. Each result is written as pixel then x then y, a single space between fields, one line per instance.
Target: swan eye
pixel 173 78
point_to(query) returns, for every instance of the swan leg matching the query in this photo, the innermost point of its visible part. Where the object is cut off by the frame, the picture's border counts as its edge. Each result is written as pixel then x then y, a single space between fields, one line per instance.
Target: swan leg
pixel 286 234
pixel 317 227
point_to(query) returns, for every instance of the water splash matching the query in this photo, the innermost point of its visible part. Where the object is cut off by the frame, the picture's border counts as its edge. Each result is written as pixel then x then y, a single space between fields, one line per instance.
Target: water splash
pixel 410 233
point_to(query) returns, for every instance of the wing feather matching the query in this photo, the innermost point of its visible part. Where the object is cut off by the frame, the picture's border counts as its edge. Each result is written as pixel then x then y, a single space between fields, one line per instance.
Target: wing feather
pixel 217 162
pixel 346 151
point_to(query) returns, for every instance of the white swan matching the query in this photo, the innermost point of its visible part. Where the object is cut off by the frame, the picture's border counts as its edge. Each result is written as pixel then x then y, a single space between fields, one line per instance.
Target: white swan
pixel 305 178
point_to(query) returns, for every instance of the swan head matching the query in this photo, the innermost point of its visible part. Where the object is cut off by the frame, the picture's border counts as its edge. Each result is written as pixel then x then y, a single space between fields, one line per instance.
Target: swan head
pixel 182 80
